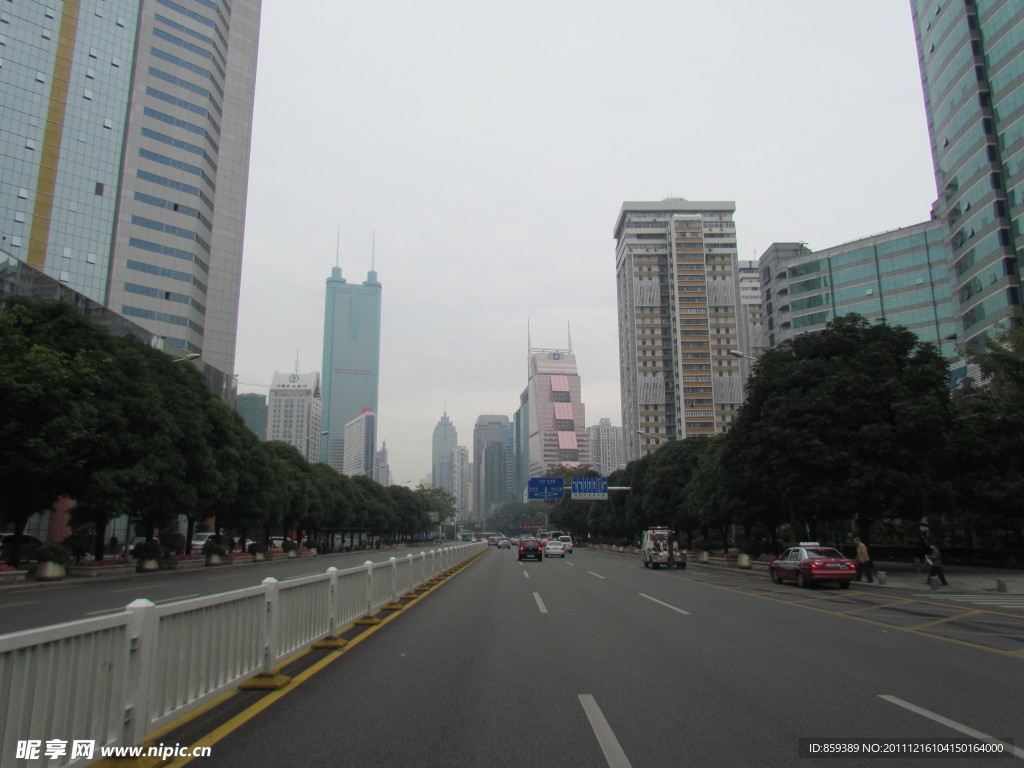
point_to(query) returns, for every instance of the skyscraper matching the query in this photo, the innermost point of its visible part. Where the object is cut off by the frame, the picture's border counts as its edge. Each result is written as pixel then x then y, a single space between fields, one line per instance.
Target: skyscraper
pixel 252 408
pixel 125 148
pixel 556 433
pixel 491 441
pixel 360 445
pixel 294 412
pixel 678 294
pixel 971 59
pixel 442 456
pixel 351 369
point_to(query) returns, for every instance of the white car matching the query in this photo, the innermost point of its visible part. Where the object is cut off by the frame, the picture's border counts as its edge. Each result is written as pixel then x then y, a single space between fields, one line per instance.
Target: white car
pixel 554 548
pixel 566 543
pixel 199 539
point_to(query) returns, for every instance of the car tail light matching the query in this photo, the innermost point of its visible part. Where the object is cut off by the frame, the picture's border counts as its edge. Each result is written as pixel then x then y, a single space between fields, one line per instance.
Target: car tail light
pixel 851 565
pixel 815 565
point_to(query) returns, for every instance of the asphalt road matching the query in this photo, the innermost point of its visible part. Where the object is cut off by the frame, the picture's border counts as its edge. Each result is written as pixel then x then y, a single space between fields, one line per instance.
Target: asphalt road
pixel 39 604
pixel 596 661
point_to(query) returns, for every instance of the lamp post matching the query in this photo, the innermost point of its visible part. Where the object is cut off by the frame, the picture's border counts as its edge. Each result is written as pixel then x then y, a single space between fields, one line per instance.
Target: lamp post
pixel 189 356
pixel 738 353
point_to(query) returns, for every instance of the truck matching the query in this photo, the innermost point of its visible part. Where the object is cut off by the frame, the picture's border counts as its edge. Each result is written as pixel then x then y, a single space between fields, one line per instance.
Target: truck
pixel 659 547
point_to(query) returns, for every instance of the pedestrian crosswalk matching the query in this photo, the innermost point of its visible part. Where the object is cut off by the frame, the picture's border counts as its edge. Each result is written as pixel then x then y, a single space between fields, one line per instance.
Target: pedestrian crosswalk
pixel 989 601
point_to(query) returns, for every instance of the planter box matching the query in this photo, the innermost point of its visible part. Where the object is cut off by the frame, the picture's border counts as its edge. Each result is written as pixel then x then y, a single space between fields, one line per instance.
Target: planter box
pixel 307 553
pixel 243 560
pixel 12 577
pixel 181 565
pixel 276 555
pixel 760 565
pixel 47 571
pixel 92 571
pixel 146 566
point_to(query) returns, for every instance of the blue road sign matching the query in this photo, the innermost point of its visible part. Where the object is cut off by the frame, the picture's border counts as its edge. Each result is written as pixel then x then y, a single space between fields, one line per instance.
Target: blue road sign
pixel 545 489
pixel 584 488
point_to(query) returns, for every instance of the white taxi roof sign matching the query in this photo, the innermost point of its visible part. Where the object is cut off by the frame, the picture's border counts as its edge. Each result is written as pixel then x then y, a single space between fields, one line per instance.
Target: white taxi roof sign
pixel 810 543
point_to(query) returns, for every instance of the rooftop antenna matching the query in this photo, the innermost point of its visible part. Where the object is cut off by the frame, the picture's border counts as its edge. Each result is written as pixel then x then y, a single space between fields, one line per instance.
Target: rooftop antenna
pixel 569 324
pixel 373 251
pixel 529 343
pixel 337 249
pixel 296 359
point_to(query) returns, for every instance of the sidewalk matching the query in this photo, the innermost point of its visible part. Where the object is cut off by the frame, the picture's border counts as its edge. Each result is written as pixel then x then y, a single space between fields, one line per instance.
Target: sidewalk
pixel 963 580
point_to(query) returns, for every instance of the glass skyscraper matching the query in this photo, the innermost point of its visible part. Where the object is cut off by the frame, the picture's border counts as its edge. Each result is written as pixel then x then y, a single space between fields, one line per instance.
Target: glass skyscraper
pixel 971 55
pixel 124 143
pixel 351 367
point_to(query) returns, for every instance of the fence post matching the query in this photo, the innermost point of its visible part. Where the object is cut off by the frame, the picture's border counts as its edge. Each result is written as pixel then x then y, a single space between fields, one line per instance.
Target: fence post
pixel 368 565
pixel 273 624
pixel 334 608
pixel 142 634
pixel 394 578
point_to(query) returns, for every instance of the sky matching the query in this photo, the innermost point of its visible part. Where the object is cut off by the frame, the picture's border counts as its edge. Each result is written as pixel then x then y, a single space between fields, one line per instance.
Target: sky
pixel 477 156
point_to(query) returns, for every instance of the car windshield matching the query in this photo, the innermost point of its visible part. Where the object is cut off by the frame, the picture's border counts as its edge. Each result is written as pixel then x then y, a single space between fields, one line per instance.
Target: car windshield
pixel 824 552
pixel 565 539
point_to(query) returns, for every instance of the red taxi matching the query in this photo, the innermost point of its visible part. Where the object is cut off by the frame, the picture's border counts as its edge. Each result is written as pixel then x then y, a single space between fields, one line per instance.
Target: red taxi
pixel 811 563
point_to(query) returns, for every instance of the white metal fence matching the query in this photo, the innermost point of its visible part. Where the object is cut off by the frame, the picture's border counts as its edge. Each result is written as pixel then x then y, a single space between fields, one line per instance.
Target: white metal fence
pixel 111 680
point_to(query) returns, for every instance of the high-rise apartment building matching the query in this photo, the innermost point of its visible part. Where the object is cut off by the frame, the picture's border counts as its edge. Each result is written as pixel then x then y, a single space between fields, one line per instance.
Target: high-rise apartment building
pixel 360 445
pixel 750 307
pixel 351 368
pixel 491 444
pixel 607 447
pixel 124 144
pixel 901 277
pixel 443 444
pixel 971 60
pixel 556 434
pixel 678 294
pixel 461 479
pixel 294 411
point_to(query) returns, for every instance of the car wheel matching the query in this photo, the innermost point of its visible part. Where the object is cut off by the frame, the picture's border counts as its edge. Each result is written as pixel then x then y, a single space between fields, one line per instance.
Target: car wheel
pixel 776 579
pixel 800 580
pixel 844 584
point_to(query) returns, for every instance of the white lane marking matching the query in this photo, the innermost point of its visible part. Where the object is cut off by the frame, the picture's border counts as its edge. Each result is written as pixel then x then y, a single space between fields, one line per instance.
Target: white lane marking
pixel 155 602
pixel 966 730
pixel 540 603
pixel 526 574
pixel 136 588
pixel 572 564
pixel 672 607
pixel 613 753
pixel 598 575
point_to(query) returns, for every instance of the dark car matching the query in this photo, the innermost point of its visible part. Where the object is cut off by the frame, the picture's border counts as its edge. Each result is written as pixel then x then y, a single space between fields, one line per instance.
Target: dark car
pixel 531 548
pixel 811 563
pixel 27 549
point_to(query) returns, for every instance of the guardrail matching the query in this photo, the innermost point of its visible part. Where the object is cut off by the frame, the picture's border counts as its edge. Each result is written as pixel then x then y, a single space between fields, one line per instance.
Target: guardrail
pixel 114 679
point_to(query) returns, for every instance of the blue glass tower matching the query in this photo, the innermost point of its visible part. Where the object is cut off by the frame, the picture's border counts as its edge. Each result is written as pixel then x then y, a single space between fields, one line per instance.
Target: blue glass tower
pixel 351 369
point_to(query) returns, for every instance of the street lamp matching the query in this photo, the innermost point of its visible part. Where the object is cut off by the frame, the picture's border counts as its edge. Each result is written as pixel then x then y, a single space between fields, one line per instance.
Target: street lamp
pixel 190 356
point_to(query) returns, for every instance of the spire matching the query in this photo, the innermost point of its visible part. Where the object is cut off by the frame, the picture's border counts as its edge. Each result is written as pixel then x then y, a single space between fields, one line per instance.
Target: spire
pixel 569 324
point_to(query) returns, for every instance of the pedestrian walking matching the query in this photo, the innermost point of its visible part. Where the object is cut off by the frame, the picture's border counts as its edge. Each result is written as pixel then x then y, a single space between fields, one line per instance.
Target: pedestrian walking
pixel 864 564
pixel 935 561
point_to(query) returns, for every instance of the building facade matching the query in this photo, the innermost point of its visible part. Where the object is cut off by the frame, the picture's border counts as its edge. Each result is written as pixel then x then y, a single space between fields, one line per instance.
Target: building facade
pixel 556 434
pixel 442 454
pixel 252 407
pixel 491 441
pixel 294 412
pixel 607 447
pixel 360 445
pixel 125 147
pixel 351 367
pixel 901 277
pixel 677 284
pixel 971 56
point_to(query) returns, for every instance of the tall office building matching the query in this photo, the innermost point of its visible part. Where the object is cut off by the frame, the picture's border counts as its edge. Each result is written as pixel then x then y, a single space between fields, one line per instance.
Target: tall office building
pixel 607 447
pixel 351 368
pixel 461 480
pixel 360 445
pixel 381 466
pixel 971 60
pixel 294 412
pixel 491 441
pixel 677 286
pixel 556 433
pixel 750 307
pixel 125 152
pixel 252 408
pixel 443 444
pixel 901 277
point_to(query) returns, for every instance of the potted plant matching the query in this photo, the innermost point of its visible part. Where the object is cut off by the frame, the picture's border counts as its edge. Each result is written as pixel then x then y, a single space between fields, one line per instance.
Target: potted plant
pixel 258 551
pixel 290 546
pixel 53 560
pixel 214 552
pixel 311 545
pixel 148 554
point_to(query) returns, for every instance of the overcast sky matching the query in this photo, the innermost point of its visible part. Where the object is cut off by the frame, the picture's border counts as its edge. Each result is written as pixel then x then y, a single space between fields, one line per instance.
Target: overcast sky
pixel 489 148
